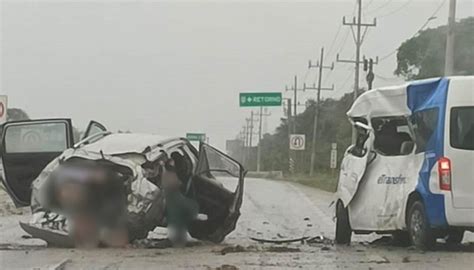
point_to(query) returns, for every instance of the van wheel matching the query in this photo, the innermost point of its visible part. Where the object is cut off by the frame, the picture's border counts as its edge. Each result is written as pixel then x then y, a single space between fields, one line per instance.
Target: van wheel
pixel 343 227
pixel 419 229
pixel 455 236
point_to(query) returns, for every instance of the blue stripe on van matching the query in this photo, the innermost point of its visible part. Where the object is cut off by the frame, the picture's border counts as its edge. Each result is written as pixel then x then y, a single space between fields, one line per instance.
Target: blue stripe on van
pixel 421 96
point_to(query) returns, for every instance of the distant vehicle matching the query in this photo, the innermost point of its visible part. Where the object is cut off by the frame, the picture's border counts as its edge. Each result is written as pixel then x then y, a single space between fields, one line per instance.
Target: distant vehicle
pixel 411 170
pixel 35 151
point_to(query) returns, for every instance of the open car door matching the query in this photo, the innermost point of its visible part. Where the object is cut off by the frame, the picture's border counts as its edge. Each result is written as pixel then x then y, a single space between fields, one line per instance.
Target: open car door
pixel 218 185
pixel 27 147
pixel 93 127
pixel 355 162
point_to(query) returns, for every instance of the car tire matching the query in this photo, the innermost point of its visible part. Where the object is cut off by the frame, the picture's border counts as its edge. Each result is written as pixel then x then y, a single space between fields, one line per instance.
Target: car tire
pixel 421 234
pixel 455 236
pixel 343 226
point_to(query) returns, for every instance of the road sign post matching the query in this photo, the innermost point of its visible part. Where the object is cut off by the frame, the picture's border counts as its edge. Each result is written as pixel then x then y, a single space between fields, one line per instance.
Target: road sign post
pixel 297 141
pixel 333 159
pixel 199 137
pixel 3 108
pixel 264 99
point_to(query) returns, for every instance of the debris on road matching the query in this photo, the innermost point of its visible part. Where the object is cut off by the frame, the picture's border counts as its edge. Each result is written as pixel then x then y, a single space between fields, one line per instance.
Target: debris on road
pixel 61 265
pixel 283 249
pixel 283 241
pixel 225 267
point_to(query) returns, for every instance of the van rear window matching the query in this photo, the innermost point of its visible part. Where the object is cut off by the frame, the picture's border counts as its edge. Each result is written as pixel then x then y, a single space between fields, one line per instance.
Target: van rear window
pixel 462 128
pixel 425 123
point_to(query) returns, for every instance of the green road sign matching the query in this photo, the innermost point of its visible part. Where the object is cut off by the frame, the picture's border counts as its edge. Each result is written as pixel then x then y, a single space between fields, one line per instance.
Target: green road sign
pixel 263 99
pixel 200 137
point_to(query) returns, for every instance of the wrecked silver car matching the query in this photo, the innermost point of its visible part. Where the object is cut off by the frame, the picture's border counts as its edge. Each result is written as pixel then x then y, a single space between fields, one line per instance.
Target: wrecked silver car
pixel 115 177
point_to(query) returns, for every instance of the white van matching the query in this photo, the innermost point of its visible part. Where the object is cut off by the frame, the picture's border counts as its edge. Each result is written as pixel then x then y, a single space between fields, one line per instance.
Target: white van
pixel 411 170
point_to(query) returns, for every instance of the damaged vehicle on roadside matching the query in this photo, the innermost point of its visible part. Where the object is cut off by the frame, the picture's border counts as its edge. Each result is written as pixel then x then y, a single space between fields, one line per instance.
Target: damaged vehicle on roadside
pixel 115 178
pixel 410 171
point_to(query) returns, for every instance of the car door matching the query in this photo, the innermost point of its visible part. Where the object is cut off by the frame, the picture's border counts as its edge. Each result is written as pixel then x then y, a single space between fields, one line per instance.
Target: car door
pixel 354 163
pixel 27 147
pixel 218 185
pixel 93 127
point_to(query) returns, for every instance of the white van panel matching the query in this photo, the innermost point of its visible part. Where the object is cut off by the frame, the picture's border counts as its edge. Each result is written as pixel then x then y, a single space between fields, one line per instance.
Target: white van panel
pixel 460 94
pixel 379 204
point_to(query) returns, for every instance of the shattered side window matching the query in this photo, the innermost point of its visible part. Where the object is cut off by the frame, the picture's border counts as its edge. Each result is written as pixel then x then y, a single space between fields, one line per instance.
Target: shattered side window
pixel 425 123
pixel 361 136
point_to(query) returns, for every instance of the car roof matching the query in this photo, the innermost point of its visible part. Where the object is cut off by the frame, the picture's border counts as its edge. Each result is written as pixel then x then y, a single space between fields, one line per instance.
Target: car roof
pixel 123 143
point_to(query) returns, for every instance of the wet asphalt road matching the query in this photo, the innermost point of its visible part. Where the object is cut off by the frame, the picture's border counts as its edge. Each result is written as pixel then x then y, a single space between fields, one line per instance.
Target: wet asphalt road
pixel 271 210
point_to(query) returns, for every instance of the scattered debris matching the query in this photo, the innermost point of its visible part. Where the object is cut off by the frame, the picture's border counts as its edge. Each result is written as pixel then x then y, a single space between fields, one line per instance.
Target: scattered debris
pixel 61 265
pixel 320 240
pixel 377 259
pixel 152 243
pixel 232 249
pixel 227 267
pixel 8 246
pixel 283 241
pixel 283 249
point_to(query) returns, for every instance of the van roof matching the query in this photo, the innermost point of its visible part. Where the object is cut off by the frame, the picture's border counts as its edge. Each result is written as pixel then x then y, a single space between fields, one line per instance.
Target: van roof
pixel 395 100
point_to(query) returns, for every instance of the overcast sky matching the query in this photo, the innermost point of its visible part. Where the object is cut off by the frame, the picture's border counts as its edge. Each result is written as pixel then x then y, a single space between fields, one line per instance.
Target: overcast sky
pixel 172 67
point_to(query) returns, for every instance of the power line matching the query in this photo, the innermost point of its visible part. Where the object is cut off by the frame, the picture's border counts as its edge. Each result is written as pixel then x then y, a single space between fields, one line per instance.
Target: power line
pixel 379 8
pixel 419 30
pixel 396 10
pixel 368 4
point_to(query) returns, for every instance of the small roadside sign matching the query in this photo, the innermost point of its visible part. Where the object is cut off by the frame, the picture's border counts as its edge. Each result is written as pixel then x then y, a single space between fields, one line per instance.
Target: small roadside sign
pixel 3 108
pixel 200 137
pixel 297 141
pixel 333 159
pixel 264 99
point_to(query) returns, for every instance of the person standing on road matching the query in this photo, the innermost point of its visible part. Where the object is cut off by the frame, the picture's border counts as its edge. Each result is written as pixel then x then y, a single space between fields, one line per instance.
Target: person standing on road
pixel 180 210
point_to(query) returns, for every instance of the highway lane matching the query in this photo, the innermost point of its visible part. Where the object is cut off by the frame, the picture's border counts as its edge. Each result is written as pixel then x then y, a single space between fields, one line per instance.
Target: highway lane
pixel 273 210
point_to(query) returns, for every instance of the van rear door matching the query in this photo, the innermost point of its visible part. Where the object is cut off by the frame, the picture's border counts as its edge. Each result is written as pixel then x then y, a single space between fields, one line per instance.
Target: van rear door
pixel 459 140
pixel 461 154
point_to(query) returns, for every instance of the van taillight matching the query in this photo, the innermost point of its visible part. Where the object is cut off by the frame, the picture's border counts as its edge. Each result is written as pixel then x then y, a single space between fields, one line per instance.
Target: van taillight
pixel 444 171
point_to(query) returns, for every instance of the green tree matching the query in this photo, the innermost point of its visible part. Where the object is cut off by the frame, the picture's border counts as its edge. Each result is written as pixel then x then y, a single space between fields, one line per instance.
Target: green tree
pixel 423 56
pixel 15 114
pixel 333 125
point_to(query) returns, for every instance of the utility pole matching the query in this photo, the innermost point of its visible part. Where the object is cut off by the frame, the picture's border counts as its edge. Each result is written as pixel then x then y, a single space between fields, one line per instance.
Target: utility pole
pixel 259 147
pixel 251 128
pixel 358 39
pixel 369 68
pixel 449 57
pixel 320 65
pixel 246 143
pixel 288 119
pixel 295 89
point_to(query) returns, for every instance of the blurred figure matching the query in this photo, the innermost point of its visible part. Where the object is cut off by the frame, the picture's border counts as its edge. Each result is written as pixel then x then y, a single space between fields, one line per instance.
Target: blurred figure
pixel 180 210
pixel 92 199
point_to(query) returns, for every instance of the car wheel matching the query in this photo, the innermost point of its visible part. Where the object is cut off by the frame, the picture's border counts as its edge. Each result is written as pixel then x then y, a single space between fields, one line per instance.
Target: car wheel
pixel 343 227
pixel 455 236
pixel 419 229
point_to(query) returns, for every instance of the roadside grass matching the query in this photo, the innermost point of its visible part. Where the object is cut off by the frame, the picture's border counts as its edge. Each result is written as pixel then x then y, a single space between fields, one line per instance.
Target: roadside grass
pixel 322 180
